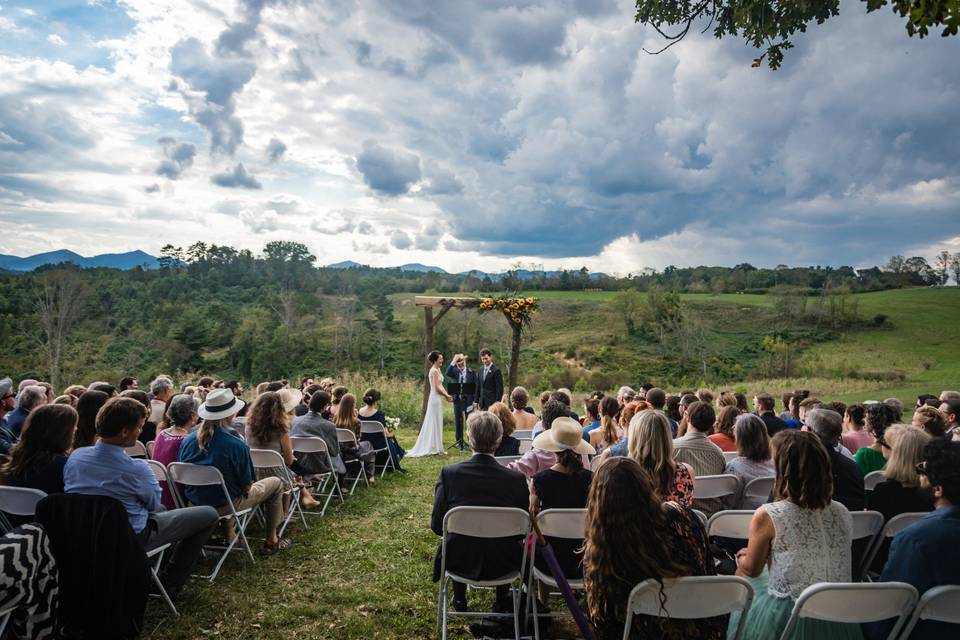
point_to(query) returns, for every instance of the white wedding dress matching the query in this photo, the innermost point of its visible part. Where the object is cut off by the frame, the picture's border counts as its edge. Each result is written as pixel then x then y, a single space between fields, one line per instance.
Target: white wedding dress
pixel 430 440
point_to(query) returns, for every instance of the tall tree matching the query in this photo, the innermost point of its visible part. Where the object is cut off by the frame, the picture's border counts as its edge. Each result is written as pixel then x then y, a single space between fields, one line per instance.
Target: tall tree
pixel 943 267
pixel 59 299
pixel 955 267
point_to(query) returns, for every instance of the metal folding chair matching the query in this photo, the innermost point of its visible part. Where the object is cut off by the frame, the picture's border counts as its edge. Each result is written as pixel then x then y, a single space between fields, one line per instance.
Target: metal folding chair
pixel 758 488
pixel 523 434
pixel 195 475
pixel 483 522
pixel 733 523
pixel 506 460
pixel 691 598
pixel 894 526
pixel 313 445
pixel 372 427
pixel 718 486
pixel 872 479
pixel 525 445
pixel 729 455
pixel 157 556
pixel 136 450
pixel 347 436
pixel 269 459
pixel 554 523
pixel 853 603
pixel 150 447
pixel 866 525
pixel 941 604
pixel 18 501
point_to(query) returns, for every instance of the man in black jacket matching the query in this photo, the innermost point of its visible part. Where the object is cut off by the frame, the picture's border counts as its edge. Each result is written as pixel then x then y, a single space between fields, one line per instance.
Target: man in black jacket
pixel 764 405
pixel 462 403
pixel 491 381
pixel 847 477
pixel 482 482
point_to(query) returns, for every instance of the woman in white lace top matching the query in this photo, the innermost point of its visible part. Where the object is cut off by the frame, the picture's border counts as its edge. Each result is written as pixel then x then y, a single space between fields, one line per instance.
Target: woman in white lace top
pixel 798 540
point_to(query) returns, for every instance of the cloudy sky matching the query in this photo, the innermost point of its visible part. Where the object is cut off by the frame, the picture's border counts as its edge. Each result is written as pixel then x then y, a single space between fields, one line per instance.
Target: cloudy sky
pixel 470 134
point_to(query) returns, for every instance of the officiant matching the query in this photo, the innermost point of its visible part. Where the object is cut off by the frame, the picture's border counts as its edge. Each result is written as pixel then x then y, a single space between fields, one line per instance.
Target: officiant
pixel 459 374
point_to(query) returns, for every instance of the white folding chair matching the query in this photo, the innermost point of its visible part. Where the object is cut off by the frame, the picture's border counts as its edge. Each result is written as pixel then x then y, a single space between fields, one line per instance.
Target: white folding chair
pixel 150 447
pixel 347 436
pixel 525 445
pixel 270 459
pixel 136 450
pixel 729 455
pixel 719 486
pixel 506 460
pixel 691 598
pixel 196 475
pixel 853 603
pixel 941 604
pixel 160 473
pixel 733 523
pixel 894 526
pixel 866 525
pixel 157 556
pixel 872 479
pixel 554 523
pixel 318 446
pixel 18 501
pixel 758 488
pixel 483 522
pixel 701 516
pixel 373 427
pixel 523 434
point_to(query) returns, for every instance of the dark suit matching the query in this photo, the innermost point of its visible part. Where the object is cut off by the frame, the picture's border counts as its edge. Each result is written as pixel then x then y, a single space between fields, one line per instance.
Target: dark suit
pixel 479 482
pixel 491 387
pixel 774 424
pixel 461 402
pixel 847 481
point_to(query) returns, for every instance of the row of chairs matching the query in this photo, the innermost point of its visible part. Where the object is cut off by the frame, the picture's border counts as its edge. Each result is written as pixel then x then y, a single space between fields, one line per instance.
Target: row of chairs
pixel 690 597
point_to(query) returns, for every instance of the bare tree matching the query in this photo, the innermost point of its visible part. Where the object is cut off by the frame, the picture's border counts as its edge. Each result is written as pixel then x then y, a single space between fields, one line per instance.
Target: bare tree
pixel 955 267
pixel 59 299
pixel 943 267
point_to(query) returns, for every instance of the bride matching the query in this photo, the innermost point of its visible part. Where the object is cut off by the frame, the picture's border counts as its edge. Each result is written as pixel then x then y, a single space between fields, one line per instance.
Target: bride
pixel 430 440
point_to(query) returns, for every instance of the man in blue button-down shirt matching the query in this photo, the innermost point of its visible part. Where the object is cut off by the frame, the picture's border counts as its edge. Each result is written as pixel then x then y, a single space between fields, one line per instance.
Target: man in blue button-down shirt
pixel 105 470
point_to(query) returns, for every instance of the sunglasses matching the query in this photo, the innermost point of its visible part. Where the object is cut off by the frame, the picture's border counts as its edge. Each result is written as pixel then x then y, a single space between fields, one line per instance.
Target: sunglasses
pixel 922 468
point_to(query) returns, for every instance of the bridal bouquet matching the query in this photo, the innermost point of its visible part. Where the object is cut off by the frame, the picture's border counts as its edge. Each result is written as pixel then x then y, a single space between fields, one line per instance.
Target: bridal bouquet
pixel 392 423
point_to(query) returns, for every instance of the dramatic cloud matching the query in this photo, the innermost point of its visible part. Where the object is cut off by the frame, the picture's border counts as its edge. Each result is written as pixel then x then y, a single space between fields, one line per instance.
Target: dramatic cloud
pixel 401 239
pixel 386 171
pixel 177 158
pixel 236 178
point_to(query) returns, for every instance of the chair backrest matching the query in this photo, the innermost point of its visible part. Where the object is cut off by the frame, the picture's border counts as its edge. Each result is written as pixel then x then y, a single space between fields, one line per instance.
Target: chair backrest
pixel 194 475
pixel 345 435
pixel 941 604
pixel 525 445
pixel 691 597
pixel 487 522
pixel 20 501
pixel 872 479
pixel 715 486
pixel 150 447
pixel 730 524
pixel 304 444
pixel 266 459
pixel 136 450
pixel 702 517
pixel 506 460
pixel 159 471
pixel 729 455
pixel 898 523
pixel 523 434
pixel 759 488
pixel 866 524
pixel 371 426
pixel 563 523
pixel 853 603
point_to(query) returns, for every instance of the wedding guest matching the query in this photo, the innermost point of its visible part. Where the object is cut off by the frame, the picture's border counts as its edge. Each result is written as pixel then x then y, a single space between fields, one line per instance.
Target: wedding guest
pixel 871 458
pixel 149 431
pixel 371 411
pixel 931 420
pixel 657 399
pixel 753 458
pixel 763 404
pixel 900 491
pixel 509 446
pixel 314 425
pixel 722 435
pixel 591 411
pixel 345 417
pixel 180 419
pixel 848 487
pixel 651 446
pixel 855 436
pixel 37 460
pixel 632 536
pixel 161 390
pixel 536 460
pixel 75 390
pixel 523 414
pixel 951 409
pixel 31 397
pixel 87 407
pixel 336 396
pixel 704 457
pixel 609 432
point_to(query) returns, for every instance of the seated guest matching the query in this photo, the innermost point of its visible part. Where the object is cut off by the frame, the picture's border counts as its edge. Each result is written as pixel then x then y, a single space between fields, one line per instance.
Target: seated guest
pixel 786 399
pixel 314 425
pixel 722 435
pixel 591 410
pixel 565 485
pixel 855 436
pixel 523 414
pixel 651 446
pixel 161 390
pixel 345 417
pixel 609 432
pixel 931 420
pixel 75 390
pixel 371 411
pixel 128 382
pixel 847 478
pixel 37 461
pixel 951 409
pixel 304 405
pixel 536 460
pixel 479 481
pixel 509 446
pixel 763 404
pixel 657 399
pixel 149 432
pixel 8 402
pixel 896 409
pixel 625 395
pixel 871 458
pixel 214 446
pixel 632 536
pixel 179 421
pixel 629 410
pixel 926 554
pixel 336 396
pixel 564 396
pixel 753 458
pixel 88 405
pixel 30 398
pixel 686 400
pixel 694 449
pixel 66 399
pixel 803 537
pixel 105 470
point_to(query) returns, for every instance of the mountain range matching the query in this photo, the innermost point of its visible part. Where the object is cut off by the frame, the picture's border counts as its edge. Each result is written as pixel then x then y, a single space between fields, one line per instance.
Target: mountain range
pixel 128 260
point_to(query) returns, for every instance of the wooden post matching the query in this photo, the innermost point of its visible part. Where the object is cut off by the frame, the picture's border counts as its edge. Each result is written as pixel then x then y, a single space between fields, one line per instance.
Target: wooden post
pixel 514 355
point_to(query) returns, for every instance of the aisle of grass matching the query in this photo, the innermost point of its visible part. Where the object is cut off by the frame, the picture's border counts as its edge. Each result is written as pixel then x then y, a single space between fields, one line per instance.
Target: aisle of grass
pixel 361 571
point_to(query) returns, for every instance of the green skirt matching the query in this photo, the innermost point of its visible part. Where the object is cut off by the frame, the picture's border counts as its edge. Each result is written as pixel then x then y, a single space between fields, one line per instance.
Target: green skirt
pixel 768 617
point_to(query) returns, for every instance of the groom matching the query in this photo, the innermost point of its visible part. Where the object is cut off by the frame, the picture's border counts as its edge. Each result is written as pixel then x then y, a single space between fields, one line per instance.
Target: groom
pixel 462 403
pixel 491 381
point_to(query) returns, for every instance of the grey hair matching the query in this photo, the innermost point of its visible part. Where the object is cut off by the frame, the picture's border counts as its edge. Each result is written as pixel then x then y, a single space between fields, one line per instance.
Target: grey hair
pixel 945 396
pixel 160 384
pixel 182 408
pixel 626 392
pixel 484 431
pixel 31 396
pixel 827 424
pixel 896 403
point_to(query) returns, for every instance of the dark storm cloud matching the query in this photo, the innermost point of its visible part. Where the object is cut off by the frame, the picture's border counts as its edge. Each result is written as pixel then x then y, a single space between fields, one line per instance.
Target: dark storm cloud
pixel 236 178
pixel 388 172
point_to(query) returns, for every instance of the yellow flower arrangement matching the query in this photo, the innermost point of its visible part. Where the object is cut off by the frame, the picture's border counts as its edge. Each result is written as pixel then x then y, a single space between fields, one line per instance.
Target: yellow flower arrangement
pixel 517 310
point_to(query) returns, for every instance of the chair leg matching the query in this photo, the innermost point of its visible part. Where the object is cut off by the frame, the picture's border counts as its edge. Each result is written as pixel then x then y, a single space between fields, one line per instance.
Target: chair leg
pixel 516 613
pixel 163 593
pixel 443 630
pixel 532 596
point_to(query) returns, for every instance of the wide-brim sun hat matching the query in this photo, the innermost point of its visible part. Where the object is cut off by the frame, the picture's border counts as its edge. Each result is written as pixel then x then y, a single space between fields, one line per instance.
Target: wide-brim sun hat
pixel 565 434
pixel 220 404
pixel 290 398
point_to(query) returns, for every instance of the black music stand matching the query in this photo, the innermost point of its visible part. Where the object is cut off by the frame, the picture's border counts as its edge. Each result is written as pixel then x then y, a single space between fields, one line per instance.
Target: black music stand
pixel 461 389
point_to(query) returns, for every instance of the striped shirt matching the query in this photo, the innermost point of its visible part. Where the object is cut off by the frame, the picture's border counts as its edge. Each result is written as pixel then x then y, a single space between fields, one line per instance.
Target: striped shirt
pixel 706 458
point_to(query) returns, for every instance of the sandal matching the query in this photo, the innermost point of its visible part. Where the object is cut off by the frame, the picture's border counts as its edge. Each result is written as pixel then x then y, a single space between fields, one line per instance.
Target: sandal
pixel 282 545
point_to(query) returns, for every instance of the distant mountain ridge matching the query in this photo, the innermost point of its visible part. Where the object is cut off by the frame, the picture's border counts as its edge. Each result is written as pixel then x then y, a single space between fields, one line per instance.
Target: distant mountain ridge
pixel 128 260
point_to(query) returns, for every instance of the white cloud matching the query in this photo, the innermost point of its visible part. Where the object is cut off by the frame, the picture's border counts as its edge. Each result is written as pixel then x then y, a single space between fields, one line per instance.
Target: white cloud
pixel 56 40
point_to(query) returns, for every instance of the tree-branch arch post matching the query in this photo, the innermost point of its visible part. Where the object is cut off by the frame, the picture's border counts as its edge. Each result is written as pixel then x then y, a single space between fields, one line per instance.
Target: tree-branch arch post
pixel 517 310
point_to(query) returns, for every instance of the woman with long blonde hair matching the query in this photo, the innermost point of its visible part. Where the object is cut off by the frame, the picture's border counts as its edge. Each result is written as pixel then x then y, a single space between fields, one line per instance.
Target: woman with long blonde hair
pixel 900 492
pixel 651 445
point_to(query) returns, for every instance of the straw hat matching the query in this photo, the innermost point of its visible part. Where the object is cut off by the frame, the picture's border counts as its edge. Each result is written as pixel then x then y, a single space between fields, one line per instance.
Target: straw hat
pixel 290 398
pixel 220 404
pixel 564 434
